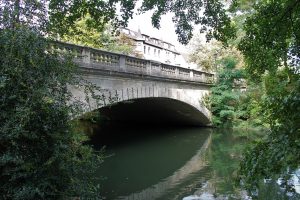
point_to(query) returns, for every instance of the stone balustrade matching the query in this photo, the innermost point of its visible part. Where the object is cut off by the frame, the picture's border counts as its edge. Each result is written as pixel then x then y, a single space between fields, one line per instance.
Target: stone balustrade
pixel 98 59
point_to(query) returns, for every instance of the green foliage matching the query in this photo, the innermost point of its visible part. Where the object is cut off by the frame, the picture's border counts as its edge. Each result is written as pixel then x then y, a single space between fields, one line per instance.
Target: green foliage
pixel 208 56
pixel 63 15
pixel 250 109
pixel 228 104
pixel 224 155
pixel 272 37
pixel 271 50
pixel 224 99
pixel 59 16
pixel 280 150
pixel 41 155
pixel 32 14
pixel 214 20
pixel 120 44
pixel 242 5
pixel 84 34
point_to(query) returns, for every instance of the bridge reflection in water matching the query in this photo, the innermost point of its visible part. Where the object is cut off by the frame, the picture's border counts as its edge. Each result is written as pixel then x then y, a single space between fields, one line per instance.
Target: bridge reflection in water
pixel 186 164
pixel 195 164
pixel 154 164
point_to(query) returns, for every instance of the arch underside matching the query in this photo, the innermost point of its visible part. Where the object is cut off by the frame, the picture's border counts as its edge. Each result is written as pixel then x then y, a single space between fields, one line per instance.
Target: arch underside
pixel 147 100
pixel 155 110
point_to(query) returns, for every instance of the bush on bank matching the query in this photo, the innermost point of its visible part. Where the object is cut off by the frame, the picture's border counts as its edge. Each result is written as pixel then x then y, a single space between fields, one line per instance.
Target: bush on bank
pixel 41 154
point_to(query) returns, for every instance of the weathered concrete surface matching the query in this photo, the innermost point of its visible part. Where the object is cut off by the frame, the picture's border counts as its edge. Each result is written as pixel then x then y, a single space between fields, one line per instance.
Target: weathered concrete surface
pixel 95 59
pixel 145 87
pixel 148 99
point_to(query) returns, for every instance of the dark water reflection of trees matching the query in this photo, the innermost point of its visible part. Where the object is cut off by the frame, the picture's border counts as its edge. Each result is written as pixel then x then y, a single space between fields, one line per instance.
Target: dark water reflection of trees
pixel 177 163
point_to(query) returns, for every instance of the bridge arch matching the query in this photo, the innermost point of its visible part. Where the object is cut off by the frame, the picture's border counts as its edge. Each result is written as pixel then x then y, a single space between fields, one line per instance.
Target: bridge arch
pixel 178 100
pixel 151 103
pixel 125 79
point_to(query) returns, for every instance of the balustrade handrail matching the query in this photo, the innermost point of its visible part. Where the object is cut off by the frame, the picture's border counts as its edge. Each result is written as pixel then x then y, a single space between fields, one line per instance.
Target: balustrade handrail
pixel 86 47
pixel 142 66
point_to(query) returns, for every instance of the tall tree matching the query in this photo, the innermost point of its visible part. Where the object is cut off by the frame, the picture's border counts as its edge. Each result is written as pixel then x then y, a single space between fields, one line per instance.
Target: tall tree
pixel 42 156
pixel 224 97
pixel 271 49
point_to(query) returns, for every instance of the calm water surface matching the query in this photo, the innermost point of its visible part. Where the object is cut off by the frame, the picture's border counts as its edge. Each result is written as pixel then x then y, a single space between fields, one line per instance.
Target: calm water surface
pixel 175 163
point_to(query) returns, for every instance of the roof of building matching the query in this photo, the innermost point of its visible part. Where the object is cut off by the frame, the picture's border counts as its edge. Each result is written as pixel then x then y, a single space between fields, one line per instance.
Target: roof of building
pixel 138 36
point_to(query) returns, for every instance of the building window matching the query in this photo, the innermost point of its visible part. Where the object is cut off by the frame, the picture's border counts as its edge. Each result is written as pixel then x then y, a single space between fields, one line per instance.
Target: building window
pixel 158 53
pixel 144 49
pixel 148 50
pixel 154 51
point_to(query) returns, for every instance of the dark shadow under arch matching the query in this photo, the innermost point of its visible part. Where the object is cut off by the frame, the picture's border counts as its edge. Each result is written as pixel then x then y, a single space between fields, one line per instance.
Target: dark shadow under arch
pixel 155 110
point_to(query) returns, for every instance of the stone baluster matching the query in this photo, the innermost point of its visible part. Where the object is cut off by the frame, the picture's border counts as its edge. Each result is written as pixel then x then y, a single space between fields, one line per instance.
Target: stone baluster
pixel 203 77
pixel 191 74
pixel 108 61
pixel 176 72
pixel 148 68
pixel 122 63
pixel 86 55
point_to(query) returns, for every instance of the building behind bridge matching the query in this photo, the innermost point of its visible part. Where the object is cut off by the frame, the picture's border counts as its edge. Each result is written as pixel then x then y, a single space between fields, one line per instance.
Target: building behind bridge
pixel 152 48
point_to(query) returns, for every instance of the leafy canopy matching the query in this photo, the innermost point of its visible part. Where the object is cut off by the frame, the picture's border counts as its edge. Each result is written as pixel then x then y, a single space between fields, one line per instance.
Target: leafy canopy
pixel 271 51
pixel 272 37
pixel 104 38
pixel 56 16
pixel 210 55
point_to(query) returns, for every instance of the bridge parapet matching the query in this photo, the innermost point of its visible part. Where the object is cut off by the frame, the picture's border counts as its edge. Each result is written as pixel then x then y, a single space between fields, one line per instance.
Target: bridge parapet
pixel 88 57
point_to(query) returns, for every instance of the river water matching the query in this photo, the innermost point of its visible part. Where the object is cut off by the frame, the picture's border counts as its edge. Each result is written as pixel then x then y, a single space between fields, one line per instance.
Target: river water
pixel 176 163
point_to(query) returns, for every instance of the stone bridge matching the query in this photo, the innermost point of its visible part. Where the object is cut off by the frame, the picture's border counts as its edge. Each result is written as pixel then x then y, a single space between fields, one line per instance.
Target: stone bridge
pixel 139 89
